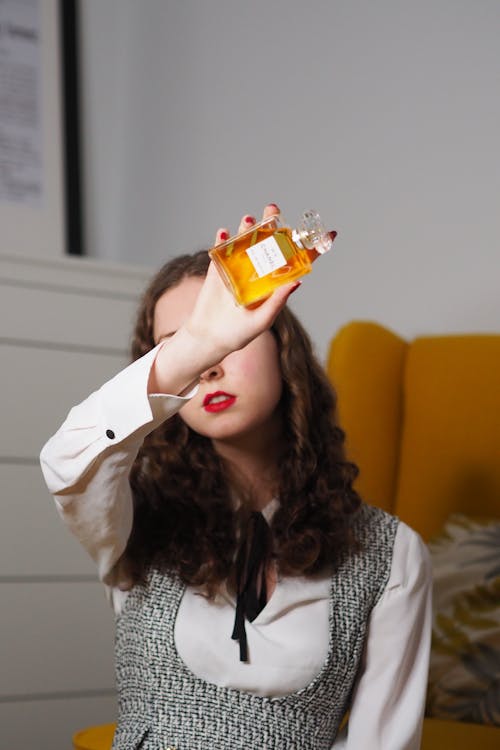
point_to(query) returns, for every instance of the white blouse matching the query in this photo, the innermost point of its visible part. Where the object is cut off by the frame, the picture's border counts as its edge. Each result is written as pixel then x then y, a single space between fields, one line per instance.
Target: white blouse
pixel 86 466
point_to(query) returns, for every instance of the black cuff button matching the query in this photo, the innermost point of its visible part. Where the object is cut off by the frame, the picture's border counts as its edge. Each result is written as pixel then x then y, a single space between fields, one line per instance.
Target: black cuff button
pixel 110 434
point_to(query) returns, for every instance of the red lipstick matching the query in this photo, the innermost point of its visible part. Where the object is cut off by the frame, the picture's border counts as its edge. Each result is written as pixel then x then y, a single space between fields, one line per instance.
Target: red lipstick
pixel 218 401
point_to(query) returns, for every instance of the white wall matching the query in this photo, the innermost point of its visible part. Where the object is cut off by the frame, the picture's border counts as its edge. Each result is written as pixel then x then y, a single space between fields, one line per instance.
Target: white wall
pixel 64 329
pixel 385 116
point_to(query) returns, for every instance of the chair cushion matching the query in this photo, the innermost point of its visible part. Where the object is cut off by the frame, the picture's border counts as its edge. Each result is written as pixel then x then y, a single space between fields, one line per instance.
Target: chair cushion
pixel 464 674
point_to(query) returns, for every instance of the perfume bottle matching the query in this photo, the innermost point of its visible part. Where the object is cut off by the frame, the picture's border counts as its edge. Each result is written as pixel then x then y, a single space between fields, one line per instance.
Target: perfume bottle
pixel 269 254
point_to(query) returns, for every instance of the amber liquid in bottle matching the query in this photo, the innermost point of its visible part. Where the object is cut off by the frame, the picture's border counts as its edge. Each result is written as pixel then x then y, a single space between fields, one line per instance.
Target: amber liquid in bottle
pixel 255 263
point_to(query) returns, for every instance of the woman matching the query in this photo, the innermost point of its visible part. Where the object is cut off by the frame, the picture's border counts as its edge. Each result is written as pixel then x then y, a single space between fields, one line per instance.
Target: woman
pixel 258 599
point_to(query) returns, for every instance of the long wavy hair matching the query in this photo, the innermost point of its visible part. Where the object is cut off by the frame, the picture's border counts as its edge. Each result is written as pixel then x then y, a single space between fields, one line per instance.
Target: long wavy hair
pixel 184 513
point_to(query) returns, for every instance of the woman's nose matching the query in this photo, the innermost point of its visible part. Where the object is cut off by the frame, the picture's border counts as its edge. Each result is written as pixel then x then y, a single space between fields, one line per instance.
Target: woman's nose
pixel 213 373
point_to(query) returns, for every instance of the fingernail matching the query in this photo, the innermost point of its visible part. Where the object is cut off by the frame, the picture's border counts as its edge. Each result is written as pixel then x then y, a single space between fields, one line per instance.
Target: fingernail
pixel 224 236
pixel 294 288
pixel 273 205
pixel 250 219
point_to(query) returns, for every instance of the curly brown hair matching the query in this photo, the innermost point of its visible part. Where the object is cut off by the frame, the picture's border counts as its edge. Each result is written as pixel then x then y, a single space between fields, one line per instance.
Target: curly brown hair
pixel 183 512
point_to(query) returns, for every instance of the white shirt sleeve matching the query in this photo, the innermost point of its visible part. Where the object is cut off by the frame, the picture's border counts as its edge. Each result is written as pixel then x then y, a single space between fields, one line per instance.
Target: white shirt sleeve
pixel 86 464
pixel 389 697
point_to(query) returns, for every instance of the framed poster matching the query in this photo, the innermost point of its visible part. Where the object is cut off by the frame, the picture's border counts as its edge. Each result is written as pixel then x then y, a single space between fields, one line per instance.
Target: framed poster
pixel 40 204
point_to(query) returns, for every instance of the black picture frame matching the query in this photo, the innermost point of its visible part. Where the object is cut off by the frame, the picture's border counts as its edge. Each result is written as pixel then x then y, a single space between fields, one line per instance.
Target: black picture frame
pixel 69 27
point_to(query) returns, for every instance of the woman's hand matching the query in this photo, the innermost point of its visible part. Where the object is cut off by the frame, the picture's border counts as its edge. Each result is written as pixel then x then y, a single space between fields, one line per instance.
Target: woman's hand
pixel 216 327
pixel 217 321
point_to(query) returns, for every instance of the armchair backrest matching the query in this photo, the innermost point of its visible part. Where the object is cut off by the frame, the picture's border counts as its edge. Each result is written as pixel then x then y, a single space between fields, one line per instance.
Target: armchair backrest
pixel 422 420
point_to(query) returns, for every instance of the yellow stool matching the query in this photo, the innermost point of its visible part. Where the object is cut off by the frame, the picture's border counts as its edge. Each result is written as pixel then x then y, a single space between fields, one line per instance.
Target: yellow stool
pixel 94 738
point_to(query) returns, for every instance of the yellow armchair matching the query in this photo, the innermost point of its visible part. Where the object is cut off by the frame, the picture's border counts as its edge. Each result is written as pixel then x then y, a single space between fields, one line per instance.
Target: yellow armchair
pixel 422 420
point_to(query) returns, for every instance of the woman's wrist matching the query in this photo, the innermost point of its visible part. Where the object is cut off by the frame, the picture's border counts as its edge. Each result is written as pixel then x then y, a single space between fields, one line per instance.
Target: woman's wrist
pixel 180 362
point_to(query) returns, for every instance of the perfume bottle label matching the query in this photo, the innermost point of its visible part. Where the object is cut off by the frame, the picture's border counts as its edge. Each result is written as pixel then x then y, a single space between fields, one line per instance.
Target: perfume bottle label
pixel 266 256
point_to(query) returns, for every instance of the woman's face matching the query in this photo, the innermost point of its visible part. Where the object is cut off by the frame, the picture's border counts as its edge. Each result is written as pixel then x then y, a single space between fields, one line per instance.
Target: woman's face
pixel 238 397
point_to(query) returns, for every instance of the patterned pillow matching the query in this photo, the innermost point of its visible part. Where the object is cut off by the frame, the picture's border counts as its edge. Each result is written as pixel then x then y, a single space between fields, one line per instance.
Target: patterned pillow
pixel 464 676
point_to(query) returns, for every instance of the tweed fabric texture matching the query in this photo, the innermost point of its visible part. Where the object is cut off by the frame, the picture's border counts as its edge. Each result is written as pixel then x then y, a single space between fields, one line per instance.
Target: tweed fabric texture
pixel 162 704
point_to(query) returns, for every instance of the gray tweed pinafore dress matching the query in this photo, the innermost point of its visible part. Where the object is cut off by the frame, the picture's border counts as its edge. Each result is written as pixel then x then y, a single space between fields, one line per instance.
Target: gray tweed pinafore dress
pixel 162 704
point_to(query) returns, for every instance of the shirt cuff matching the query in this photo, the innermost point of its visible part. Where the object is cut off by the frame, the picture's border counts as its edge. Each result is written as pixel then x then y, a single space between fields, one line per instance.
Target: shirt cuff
pixel 126 405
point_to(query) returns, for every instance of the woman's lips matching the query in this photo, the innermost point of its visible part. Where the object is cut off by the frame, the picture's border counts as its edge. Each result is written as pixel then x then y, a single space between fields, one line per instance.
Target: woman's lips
pixel 218 401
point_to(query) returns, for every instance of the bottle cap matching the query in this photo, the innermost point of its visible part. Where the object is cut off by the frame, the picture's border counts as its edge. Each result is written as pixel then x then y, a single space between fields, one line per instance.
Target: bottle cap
pixel 325 242
pixel 313 233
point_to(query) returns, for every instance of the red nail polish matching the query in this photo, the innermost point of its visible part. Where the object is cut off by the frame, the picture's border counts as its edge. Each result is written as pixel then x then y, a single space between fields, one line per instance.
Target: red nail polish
pixel 250 219
pixel 273 205
pixel 224 236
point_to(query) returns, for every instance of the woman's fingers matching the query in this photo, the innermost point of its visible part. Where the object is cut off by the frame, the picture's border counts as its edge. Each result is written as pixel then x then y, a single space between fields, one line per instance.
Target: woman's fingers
pixel 270 210
pixel 265 312
pixel 222 235
pixel 276 302
pixel 246 222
